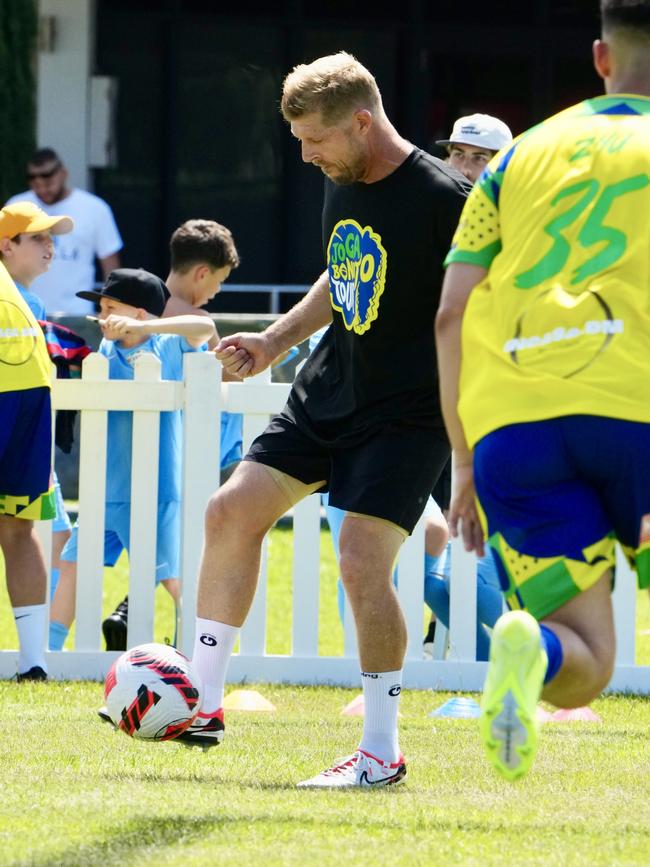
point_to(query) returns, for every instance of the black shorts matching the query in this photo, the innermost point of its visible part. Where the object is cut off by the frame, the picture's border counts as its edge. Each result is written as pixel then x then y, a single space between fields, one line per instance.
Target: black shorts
pixel 389 475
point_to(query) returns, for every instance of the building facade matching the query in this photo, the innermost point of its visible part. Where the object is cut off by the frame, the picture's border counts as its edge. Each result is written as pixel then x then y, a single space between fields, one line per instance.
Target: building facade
pixel 169 108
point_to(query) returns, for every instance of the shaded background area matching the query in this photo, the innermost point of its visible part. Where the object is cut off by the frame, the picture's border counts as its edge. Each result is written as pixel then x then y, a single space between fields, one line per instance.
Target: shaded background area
pixel 18 29
pixel 199 133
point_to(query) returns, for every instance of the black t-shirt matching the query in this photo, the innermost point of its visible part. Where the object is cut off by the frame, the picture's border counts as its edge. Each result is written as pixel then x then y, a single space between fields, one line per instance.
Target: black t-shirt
pixel 384 245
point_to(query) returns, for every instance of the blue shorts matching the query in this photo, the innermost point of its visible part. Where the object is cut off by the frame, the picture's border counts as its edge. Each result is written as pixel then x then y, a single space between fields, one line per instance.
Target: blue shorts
pixel 117 531
pixel 26 489
pixel 557 494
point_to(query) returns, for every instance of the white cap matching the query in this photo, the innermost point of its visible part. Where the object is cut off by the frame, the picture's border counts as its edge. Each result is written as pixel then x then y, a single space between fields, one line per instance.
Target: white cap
pixel 481 131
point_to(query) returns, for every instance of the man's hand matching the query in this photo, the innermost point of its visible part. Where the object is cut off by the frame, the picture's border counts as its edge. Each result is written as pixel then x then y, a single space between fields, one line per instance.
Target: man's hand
pixel 245 354
pixel 463 514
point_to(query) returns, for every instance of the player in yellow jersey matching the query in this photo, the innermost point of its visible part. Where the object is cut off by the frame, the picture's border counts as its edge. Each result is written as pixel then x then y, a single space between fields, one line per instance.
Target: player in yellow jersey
pixel 547 296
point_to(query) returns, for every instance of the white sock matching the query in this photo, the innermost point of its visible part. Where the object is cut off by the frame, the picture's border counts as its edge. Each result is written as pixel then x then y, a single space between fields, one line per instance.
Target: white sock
pixel 30 625
pixel 213 646
pixel 381 692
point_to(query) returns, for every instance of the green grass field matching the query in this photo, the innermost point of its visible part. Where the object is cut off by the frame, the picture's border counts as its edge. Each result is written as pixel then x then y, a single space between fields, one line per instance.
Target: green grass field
pixel 77 793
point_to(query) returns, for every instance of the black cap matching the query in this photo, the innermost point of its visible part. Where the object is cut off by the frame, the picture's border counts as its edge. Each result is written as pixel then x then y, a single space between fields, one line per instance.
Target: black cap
pixel 133 286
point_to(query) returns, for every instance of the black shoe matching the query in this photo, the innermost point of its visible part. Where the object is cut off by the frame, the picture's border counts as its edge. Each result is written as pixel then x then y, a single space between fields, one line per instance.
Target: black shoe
pixel 427 644
pixel 114 627
pixel 206 731
pixel 431 633
pixel 34 673
pixel 102 713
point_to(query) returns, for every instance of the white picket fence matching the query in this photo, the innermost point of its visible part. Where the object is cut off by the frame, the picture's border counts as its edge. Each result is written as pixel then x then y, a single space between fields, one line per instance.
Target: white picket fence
pixel 202 396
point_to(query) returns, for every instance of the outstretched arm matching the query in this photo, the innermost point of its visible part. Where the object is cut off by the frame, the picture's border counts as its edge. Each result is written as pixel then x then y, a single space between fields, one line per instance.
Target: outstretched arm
pixel 195 329
pixel 459 281
pixel 246 354
pixel 179 307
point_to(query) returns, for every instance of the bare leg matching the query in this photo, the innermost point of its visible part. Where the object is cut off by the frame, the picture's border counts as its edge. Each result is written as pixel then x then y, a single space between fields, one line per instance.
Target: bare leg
pixel 368 553
pixel 237 518
pixel 58 543
pixel 436 535
pixel 26 585
pixel 585 627
pixel 24 562
pixel 173 587
pixel 62 609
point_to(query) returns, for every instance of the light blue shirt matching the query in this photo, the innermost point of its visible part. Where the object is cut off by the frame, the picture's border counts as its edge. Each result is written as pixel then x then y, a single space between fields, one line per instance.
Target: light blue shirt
pixel 34 302
pixel 170 349
pixel 232 424
pixel 316 338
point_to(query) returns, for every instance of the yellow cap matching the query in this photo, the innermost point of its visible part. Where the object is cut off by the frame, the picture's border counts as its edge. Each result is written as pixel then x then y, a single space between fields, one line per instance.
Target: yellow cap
pixel 27 217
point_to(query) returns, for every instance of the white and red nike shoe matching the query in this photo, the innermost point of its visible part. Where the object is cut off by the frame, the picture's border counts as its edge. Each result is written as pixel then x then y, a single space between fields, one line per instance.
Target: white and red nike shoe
pixel 361 770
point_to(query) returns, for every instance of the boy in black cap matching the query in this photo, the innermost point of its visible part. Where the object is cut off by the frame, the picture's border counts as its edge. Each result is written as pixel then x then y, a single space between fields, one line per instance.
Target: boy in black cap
pixel 130 303
pixel 203 254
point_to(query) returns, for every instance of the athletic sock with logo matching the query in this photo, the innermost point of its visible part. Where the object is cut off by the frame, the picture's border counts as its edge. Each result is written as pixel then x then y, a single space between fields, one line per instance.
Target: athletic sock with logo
pixel 381 692
pixel 30 625
pixel 553 648
pixel 213 647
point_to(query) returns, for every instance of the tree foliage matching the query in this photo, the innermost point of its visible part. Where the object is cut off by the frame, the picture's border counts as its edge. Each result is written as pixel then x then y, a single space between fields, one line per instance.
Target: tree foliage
pixel 18 28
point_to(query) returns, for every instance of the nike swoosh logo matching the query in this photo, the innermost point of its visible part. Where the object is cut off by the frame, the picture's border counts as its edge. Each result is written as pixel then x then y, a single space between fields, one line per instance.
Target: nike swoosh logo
pixel 385 781
pixel 20 616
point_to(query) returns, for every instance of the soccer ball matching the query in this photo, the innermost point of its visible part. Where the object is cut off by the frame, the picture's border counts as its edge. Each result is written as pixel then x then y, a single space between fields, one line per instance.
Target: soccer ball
pixel 152 692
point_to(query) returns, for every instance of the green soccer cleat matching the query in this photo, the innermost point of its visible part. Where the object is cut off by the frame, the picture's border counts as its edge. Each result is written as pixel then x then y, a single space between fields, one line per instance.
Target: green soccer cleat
pixel 512 689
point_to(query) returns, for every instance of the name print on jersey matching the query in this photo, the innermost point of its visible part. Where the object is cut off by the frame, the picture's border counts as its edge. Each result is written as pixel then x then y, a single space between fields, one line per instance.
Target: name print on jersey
pixel 17 335
pixel 356 262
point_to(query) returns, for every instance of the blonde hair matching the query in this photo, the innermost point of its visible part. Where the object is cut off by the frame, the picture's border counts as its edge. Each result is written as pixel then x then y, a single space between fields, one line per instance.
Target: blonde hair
pixel 335 85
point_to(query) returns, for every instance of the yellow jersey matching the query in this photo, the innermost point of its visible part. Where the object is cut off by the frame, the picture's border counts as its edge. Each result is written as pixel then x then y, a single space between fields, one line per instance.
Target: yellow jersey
pixel 561 323
pixel 24 360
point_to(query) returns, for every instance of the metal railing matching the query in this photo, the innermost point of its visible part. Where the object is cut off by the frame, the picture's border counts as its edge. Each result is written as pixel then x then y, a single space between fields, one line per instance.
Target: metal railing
pixel 274 292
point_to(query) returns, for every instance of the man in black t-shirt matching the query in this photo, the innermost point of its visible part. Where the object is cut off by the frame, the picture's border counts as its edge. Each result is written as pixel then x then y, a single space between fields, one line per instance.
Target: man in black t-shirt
pixel 363 419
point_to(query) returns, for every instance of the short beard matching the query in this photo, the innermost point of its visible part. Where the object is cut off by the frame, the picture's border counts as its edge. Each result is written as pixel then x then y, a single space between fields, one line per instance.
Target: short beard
pixel 350 174
pixel 56 196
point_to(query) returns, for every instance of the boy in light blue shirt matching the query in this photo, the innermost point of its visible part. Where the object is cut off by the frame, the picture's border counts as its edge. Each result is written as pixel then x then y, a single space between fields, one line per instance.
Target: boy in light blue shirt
pixel 202 257
pixel 129 301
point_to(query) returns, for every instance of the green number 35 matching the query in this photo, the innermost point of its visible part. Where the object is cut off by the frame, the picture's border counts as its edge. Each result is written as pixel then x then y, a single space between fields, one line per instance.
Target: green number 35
pixel 592 232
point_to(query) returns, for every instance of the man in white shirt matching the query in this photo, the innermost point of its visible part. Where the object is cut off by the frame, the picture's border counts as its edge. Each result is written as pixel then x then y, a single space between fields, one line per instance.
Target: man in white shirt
pixel 95 235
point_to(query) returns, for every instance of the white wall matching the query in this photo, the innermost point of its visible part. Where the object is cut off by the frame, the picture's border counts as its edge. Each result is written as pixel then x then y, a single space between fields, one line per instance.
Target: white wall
pixel 63 85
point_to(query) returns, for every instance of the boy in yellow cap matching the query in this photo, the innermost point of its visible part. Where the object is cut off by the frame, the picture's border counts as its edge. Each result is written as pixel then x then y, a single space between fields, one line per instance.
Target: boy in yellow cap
pixel 26 492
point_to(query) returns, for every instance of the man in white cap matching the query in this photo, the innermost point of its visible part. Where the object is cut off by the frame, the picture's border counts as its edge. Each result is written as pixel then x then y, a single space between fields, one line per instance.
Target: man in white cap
pixel 473 142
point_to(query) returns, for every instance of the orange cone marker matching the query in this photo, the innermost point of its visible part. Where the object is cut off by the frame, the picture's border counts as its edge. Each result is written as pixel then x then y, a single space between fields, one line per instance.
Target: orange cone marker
pixel 247 699
pixel 356 707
